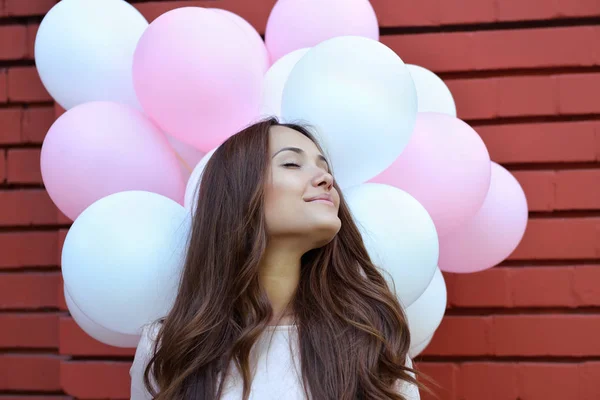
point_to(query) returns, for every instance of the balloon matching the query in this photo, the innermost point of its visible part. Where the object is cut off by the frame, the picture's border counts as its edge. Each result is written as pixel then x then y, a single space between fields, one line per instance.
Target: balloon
pixel 96 331
pixel 493 233
pixel 99 148
pixel 399 235
pixel 418 348
pixel 191 190
pixel 84 51
pixel 196 75
pixel 187 155
pixel 293 24
pixel 275 80
pixel 253 37
pixel 432 93
pixel 446 167
pixel 122 259
pixel 359 95
pixel 426 313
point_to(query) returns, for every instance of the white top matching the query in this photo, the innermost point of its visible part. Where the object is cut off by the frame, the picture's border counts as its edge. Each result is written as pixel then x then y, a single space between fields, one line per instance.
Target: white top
pixel 277 372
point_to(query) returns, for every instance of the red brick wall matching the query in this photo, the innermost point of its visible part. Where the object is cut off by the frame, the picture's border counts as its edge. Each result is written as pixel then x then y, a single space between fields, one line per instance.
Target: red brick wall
pixel 525 73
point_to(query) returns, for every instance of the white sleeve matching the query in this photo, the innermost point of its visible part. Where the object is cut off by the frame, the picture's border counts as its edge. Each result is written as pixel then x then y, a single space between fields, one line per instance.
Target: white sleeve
pixel 143 354
pixel 407 389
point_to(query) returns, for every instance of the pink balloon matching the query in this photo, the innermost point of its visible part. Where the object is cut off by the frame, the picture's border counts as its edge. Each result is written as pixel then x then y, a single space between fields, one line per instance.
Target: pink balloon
pixel 100 148
pixel 493 233
pixel 446 167
pixel 295 24
pixel 196 76
pixel 252 35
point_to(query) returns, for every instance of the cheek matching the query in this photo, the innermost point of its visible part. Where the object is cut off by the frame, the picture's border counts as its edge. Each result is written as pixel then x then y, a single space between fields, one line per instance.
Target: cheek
pixel 283 200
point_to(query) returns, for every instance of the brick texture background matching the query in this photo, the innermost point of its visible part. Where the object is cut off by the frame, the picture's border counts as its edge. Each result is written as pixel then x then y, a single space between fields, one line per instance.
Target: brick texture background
pixel 524 73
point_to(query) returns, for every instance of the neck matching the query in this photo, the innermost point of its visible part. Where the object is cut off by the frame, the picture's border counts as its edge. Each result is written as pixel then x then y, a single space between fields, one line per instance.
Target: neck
pixel 280 276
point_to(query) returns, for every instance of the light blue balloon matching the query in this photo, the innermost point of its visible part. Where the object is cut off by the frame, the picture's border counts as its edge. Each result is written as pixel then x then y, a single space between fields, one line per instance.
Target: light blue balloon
pixel 122 259
pixel 399 234
pixel 360 97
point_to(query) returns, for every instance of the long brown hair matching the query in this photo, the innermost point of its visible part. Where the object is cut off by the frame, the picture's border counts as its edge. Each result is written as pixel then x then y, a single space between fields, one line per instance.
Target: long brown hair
pixel 353 335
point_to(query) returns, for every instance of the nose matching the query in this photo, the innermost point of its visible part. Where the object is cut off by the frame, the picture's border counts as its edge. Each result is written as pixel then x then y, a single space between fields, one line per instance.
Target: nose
pixel 323 178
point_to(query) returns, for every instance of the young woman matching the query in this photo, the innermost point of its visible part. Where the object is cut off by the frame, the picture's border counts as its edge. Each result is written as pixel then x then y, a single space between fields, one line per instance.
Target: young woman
pixel 278 297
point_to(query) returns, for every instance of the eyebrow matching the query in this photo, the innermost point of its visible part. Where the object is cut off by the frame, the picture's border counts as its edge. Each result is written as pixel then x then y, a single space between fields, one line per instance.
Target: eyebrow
pixel 300 151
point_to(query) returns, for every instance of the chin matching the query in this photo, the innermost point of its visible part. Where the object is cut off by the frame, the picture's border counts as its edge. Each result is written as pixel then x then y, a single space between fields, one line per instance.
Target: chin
pixel 324 233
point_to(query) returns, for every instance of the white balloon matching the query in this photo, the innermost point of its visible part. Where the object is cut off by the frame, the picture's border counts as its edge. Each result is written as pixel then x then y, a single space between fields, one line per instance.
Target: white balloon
pixel 191 189
pixel 122 259
pixel 84 51
pixel 426 313
pixel 419 347
pixel 399 235
pixel 359 94
pixel 97 331
pixel 274 82
pixel 432 93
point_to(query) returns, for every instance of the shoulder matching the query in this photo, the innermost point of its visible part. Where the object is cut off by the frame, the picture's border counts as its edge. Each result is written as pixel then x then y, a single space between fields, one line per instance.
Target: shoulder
pixel 143 354
pixel 407 389
pixel 147 342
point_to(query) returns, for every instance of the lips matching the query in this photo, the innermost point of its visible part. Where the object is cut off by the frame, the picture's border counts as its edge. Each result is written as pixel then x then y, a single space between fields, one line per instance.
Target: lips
pixel 323 198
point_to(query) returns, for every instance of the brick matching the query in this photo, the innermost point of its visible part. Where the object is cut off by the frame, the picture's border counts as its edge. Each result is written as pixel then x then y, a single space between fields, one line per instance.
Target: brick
pixel 96 379
pixel 533 381
pixel 576 91
pixel 58 110
pixel 32 331
pixel 23 166
pixel 517 96
pixel 13 42
pixel 589 376
pixel 74 341
pixel 36 123
pixel 578 189
pixel 515 10
pixel 10 125
pixel 27 207
pixel 62 302
pixel 568 286
pixel 3 85
pixel 2 166
pixel 28 249
pixel 585 287
pixel 522 380
pixel 502 49
pixel 41 397
pixel 32 31
pixel 560 239
pixel 455 336
pixel 486 380
pixel 19 8
pixel 546 335
pixel 539 188
pixel 25 85
pixel 444 376
pixel 555 142
pixel 489 288
pixel 30 372
pixel 32 291
pixel 561 189
pixel 543 287
pixel 62 236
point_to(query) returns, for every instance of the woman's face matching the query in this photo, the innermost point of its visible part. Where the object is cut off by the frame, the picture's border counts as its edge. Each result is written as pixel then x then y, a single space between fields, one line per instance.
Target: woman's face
pixel 300 200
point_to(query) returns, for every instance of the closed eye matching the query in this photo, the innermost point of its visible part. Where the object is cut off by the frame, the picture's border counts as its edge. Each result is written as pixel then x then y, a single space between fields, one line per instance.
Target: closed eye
pixel 291 165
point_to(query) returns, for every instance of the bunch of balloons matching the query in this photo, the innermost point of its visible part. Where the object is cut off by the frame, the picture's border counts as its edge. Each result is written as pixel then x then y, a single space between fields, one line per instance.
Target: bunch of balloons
pixel 147 104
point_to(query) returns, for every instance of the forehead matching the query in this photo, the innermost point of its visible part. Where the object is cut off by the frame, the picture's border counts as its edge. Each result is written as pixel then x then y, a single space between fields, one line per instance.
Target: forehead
pixel 281 136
